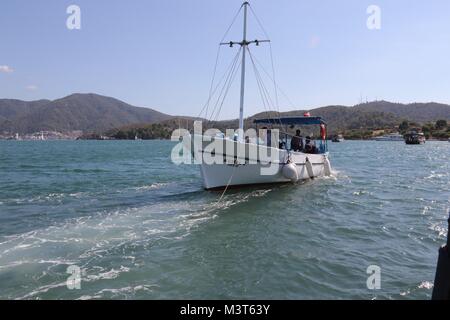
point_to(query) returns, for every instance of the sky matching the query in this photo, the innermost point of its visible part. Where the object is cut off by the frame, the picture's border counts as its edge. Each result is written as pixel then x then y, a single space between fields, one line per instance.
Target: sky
pixel 161 53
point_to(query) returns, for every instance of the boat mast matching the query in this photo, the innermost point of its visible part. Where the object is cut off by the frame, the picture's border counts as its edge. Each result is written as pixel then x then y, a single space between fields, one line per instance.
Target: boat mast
pixel 244 49
pixel 244 44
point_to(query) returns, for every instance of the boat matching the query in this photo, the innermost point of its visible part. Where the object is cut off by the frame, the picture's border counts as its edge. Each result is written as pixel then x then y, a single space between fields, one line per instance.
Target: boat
pixel 390 137
pixel 338 138
pixel 15 137
pixel 415 137
pixel 245 158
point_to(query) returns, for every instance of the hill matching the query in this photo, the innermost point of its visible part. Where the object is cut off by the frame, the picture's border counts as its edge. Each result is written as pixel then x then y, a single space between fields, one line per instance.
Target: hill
pixel 417 112
pixel 357 122
pixel 86 112
pixel 92 113
pixel 341 118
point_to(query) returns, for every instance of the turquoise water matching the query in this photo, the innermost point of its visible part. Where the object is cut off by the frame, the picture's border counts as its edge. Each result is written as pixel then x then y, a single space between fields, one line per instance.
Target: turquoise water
pixel 142 228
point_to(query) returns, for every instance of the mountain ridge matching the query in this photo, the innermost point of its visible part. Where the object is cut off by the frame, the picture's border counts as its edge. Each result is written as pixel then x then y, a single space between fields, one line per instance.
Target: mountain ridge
pixel 86 112
pixel 89 112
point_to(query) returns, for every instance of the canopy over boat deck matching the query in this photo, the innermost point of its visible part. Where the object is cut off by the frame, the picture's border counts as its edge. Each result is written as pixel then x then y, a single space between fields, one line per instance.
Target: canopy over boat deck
pixel 298 121
pixel 292 121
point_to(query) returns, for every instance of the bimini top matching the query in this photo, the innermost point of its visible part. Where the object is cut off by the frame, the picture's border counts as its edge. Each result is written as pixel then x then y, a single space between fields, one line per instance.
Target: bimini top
pixel 292 121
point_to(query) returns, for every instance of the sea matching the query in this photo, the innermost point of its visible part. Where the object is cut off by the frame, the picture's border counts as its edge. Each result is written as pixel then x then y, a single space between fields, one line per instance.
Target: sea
pixel 119 220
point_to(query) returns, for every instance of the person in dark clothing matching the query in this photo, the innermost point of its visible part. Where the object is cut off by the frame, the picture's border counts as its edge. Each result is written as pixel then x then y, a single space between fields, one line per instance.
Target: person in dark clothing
pixel 297 142
pixel 310 146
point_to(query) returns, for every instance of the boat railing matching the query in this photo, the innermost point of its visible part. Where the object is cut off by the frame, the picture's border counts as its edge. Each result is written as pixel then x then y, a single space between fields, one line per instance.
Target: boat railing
pixel 320 144
pixel 284 141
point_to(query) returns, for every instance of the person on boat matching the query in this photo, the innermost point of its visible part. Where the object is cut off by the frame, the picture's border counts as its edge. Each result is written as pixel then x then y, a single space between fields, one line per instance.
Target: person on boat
pixel 310 146
pixel 247 139
pixel 297 142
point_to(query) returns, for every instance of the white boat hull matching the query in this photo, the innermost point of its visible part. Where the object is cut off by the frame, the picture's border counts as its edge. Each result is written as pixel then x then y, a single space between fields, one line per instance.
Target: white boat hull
pixel 250 171
pixel 221 175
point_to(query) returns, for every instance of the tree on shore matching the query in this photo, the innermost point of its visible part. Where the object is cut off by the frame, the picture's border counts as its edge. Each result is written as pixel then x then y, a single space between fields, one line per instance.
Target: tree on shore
pixel 441 124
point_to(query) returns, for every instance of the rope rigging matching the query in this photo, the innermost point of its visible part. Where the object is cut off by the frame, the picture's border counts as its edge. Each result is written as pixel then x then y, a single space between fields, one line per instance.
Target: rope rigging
pixel 292 105
pixel 211 92
pixel 231 75
pixel 271 55
pixel 218 92
pixel 264 92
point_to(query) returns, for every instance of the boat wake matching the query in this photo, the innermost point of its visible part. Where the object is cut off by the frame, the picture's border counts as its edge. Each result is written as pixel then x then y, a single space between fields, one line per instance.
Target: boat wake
pixel 91 242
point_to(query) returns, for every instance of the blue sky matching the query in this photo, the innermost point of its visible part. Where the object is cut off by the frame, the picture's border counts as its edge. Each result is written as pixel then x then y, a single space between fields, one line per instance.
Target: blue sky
pixel 161 54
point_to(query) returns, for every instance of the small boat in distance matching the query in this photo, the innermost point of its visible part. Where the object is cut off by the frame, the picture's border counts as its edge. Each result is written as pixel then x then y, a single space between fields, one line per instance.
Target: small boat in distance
pixel 338 138
pixel 415 137
pixel 390 137
pixel 15 137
